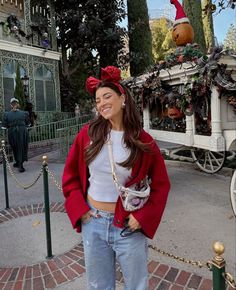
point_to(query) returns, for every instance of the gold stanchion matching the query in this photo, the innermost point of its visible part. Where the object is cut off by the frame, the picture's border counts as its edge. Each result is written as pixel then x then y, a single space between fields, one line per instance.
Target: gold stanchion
pixel 218 267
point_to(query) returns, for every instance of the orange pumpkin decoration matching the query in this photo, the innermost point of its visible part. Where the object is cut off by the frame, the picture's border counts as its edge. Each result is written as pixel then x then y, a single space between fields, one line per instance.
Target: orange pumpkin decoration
pixel 182 31
pixel 175 113
pixel 182 34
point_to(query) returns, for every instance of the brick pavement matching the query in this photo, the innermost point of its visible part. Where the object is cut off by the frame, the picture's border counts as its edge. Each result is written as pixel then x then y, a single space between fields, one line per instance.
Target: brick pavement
pixel 70 265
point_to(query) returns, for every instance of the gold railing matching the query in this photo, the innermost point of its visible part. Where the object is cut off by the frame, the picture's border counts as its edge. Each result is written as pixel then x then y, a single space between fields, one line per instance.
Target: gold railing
pixel 49 131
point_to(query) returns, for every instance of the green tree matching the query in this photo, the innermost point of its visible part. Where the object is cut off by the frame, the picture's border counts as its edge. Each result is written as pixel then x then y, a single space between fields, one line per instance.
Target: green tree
pixel 162 43
pixel 224 4
pixel 140 39
pixel 90 26
pixel 230 39
pixel 89 37
pixel 193 10
pixel 207 9
pixel 19 89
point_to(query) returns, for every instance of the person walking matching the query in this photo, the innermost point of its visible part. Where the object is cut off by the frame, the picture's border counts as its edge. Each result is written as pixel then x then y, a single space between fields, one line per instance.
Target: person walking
pixel 17 122
pixel 106 168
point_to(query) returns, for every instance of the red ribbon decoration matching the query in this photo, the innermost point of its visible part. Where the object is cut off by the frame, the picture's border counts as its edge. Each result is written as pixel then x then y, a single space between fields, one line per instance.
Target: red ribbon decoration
pixel 109 74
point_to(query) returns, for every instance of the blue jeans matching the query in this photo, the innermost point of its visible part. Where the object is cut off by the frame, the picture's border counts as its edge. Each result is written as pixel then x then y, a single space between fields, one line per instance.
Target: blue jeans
pixel 103 245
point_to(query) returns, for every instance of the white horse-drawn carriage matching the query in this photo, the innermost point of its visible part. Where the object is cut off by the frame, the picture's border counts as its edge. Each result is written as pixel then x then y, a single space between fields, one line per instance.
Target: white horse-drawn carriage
pixel 194 106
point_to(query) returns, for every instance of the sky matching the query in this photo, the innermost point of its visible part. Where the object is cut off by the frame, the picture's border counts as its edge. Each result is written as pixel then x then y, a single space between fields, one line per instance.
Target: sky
pixel 221 20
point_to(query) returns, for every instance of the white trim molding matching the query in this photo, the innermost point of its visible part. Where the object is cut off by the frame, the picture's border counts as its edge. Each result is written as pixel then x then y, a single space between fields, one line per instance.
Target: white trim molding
pixel 29 50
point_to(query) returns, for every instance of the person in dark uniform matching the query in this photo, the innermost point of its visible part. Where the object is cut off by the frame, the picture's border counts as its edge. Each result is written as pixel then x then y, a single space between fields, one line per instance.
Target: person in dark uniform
pixel 17 123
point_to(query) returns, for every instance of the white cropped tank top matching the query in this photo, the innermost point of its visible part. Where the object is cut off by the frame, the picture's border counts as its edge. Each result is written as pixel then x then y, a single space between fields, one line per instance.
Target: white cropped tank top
pixel 101 185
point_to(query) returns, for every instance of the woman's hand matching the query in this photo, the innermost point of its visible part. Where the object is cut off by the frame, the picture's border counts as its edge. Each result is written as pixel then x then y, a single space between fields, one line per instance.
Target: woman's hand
pixel 133 223
pixel 86 217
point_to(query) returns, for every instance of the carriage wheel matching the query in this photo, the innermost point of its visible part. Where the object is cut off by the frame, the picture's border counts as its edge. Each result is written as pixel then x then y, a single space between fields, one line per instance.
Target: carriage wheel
pixel 208 161
pixel 233 192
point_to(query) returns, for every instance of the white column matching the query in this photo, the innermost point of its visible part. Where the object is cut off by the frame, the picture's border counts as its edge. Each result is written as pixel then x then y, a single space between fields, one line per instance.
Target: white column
pixel 215 112
pixel 189 130
pixel 217 141
pixel 146 119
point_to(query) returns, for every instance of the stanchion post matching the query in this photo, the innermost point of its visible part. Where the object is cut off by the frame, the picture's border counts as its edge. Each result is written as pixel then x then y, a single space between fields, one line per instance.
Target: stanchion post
pixel 4 163
pixel 218 267
pixel 47 208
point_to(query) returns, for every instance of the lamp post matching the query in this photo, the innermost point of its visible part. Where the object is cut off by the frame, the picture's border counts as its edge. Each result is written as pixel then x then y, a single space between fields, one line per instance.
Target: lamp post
pixel 25 82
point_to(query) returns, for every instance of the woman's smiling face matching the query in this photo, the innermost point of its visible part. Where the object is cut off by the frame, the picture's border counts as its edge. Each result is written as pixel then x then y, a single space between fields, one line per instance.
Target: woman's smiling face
pixel 109 104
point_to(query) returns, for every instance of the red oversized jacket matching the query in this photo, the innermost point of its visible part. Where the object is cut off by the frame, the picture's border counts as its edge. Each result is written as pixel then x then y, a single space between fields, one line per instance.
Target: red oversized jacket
pixel 75 184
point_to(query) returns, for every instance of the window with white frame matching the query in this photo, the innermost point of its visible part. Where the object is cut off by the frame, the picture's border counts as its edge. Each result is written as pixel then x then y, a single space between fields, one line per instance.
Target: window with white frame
pixel 44 89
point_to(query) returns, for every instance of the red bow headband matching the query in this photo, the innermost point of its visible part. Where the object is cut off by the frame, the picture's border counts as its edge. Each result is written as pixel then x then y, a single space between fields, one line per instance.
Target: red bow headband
pixel 108 74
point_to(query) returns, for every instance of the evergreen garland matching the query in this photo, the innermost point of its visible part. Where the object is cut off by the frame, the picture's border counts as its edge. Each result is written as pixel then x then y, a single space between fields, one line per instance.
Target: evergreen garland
pixel 195 94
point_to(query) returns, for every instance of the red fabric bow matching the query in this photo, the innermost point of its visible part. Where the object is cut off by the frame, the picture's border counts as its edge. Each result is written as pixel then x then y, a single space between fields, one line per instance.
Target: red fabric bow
pixel 109 74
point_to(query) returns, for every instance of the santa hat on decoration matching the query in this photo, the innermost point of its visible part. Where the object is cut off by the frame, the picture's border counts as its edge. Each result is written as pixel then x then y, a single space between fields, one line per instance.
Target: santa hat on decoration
pixel 180 14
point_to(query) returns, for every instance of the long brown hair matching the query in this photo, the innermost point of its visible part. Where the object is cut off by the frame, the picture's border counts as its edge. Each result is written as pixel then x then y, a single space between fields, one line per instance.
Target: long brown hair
pixel 100 128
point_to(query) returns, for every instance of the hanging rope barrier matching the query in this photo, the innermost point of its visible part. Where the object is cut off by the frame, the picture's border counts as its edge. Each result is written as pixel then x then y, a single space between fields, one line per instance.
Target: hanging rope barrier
pixel 52 176
pixel 199 264
pixel 27 186
pixel 217 265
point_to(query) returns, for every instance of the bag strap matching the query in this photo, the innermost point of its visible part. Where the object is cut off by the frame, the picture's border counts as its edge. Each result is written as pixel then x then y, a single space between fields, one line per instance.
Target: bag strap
pixel 119 187
pixel 112 163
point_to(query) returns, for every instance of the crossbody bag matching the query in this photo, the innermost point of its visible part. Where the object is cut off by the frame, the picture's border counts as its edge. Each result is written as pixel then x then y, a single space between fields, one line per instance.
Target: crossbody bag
pixel 132 198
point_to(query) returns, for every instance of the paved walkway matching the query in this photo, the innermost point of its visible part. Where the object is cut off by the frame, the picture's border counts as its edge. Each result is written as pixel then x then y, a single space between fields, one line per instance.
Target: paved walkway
pixel 68 266
pixel 23 251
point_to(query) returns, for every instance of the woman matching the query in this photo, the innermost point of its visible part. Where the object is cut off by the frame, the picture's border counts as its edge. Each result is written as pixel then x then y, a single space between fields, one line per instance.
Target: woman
pixel 92 201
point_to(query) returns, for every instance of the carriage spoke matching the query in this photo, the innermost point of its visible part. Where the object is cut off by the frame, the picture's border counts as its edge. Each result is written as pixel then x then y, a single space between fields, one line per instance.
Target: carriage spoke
pixel 215 159
pixel 208 161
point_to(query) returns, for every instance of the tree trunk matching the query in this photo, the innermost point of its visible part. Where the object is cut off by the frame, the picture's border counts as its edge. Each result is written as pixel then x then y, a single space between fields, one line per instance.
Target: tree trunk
pixel 140 39
pixel 208 23
pixel 193 10
pixel 64 61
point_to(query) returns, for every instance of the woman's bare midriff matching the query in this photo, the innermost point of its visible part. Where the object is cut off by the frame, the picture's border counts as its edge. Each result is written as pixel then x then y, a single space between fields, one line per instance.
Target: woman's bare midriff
pixel 106 206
